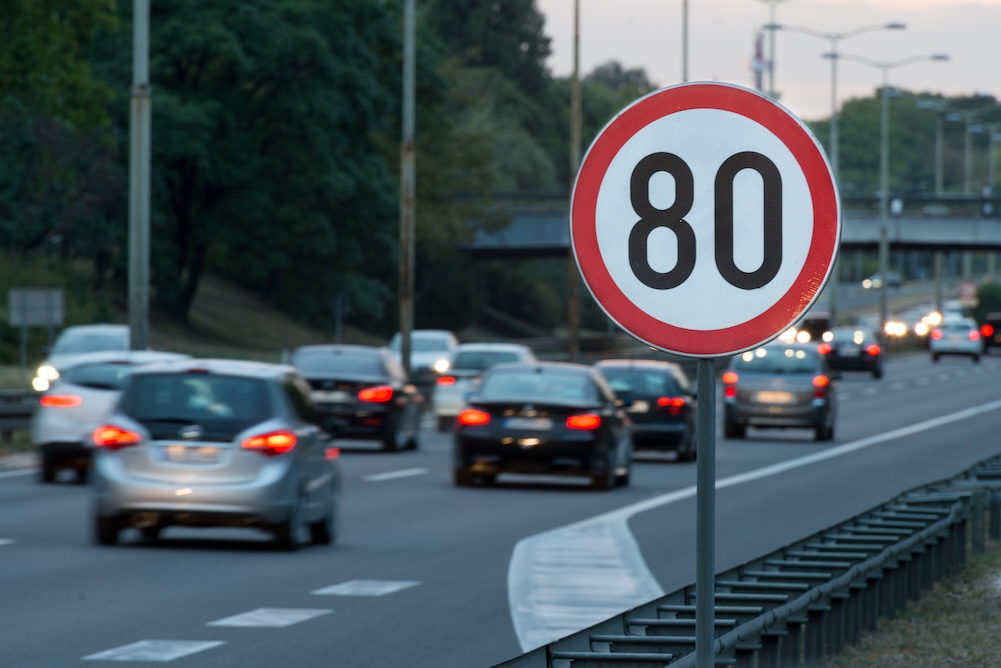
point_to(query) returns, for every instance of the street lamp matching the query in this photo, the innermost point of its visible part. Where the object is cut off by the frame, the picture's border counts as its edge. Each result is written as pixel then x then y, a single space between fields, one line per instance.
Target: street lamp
pixel 966 116
pixel 884 162
pixel 772 93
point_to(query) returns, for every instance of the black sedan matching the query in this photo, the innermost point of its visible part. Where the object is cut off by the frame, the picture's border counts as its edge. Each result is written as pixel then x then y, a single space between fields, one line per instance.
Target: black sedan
pixel 853 349
pixel 362 392
pixel 546 418
pixel 663 408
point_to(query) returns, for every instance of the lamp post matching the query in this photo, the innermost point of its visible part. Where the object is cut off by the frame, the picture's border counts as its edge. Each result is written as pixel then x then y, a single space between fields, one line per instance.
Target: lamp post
pixel 939 109
pixel 884 162
pixel 772 93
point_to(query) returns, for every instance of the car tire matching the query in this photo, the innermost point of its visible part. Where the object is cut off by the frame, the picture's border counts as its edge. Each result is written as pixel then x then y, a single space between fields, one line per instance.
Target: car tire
pixel 976 359
pixel 734 430
pixel 877 373
pixel 463 478
pixel 688 451
pixel 934 357
pixel 445 423
pixel 106 530
pixel 46 469
pixel 605 480
pixel 391 439
pixel 824 433
pixel 82 474
pixel 324 530
pixel 287 532
pixel 152 532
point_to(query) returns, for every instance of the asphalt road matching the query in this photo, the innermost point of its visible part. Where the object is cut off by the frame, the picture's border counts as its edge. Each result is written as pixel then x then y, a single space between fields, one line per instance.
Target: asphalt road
pixel 426 574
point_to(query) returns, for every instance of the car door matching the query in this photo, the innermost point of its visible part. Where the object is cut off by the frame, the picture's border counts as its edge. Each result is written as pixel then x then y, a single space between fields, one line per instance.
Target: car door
pixel 620 424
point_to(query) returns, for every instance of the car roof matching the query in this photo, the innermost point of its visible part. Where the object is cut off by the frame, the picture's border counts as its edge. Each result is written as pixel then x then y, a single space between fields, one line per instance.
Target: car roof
pixel 341 347
pixel 489 346
pixel 124 356
pixel 228 367
pixel 543 367
pixel 103 327
pixel 638 363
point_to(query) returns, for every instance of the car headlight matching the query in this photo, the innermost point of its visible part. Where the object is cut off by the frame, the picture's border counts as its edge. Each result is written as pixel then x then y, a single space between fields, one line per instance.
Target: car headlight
pixel 441 366
pixel 39 384
pixel 48 372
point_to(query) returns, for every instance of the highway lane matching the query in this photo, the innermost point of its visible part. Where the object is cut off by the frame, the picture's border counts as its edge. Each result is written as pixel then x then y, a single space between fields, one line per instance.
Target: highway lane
pixel 438 556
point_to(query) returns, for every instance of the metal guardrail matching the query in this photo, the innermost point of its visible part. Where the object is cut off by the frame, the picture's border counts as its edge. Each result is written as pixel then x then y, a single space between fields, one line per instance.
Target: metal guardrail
pixel 806 600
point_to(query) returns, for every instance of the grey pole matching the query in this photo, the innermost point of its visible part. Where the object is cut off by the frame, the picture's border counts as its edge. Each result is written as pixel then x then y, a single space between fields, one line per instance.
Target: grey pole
pixel 705 508
pixel 407 187
pixel 573 278
pixel 140 143
pixel 684 41
pixel 884 187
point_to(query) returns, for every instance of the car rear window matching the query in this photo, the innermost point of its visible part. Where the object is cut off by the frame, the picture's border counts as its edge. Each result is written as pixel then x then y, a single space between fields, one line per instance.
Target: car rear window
pixel 223 405
pixel 530 386
pixel 89 343
pixel 777 360
pixel 642 382
pixel 103 376
pixel 482 360
pixel 338 362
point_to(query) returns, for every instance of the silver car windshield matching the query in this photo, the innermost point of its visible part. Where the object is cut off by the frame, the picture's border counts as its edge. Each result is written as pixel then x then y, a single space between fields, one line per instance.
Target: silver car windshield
pixel 777 360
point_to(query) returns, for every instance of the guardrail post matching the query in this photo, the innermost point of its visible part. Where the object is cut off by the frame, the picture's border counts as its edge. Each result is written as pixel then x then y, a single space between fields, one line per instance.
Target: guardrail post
pixel 995 514
pixel 979 540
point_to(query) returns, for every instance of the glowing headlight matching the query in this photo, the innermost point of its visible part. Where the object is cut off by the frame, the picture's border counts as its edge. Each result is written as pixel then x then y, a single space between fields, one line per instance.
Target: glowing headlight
pixel 48 372
pixel 441 366
pixel 40 384
pixel 895 328
pixel 803 336
pixel 921 329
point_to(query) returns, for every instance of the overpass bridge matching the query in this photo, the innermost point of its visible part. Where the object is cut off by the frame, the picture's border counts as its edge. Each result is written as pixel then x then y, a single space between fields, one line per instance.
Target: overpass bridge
pixel 538 225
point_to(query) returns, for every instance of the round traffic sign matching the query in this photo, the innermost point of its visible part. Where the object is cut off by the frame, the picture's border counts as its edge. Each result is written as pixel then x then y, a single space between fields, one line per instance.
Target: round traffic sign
pixel 705 219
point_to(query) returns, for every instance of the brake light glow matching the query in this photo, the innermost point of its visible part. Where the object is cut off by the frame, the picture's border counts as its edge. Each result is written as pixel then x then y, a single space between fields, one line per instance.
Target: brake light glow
pixel 378 395
pixel 270 444
pixel 672 405
pixel 873 349
pixel 730 384
pixel 60 401
pixel 820 385
pixel 936 334
pixel 824 349
pixel 472 417
pixel 115 438
pixel 987 330
pixel 585 421
pixel 974 335
pixel 445 380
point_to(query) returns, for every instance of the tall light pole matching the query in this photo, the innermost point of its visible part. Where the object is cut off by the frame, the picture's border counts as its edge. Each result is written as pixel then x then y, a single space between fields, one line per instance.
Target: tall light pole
pixel 140 151
pixel 408 220
pixel 573 278
pixel 884 163
pixel 772 93
pixel 939 109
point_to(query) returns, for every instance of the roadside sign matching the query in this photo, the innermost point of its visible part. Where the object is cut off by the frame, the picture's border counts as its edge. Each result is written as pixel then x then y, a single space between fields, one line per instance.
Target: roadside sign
pixel 705 219
pixel 968 294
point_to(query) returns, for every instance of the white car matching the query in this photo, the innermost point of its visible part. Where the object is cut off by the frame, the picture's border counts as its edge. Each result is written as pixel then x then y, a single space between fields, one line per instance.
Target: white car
pixel 956 336
pixel 76 403
pixel 467 364
pixel 74 341
pixel 430 352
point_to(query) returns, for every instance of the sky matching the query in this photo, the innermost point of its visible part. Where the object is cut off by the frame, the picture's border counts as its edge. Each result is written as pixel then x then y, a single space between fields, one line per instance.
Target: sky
pixel 648 34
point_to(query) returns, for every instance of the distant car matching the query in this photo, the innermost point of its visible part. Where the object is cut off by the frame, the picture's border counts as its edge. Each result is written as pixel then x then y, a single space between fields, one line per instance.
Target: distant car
pixel 545 418
pixel 74 341
pixel 990 331
pixel 956 336
pixel 77 402
pixel 210 443
pixel 779 385
pixel 853 349
pixel 663 408
pixel 468 362
pixel 430 351
pixel 893 280
pixel 362 392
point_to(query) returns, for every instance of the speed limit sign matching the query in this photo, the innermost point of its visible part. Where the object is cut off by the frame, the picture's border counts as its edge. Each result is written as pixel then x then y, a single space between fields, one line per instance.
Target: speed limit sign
pixel 705 219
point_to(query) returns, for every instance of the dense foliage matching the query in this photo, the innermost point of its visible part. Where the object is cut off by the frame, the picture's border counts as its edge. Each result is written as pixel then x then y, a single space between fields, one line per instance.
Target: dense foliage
pixel 276 127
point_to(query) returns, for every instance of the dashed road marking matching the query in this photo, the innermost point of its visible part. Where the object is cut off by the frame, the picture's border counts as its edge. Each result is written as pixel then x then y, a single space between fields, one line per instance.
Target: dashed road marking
pixel 898 385
pixel 155 650
pixel 274 617
pixel 393 475
pixel 367 587
pixel 6 541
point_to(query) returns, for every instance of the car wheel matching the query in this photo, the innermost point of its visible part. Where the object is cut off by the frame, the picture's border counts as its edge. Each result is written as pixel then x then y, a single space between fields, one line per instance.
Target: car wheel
pixel 106 529
pixel 824 433
pixel 82 475
pixel 734 430
pixel 463 478
pixel 392 438
pixel 877 373
pixel 324 530
pixel 976 359
pixel 605 480
pixel 287 532
pixel 445 422
pixel 687 451
pixel 151 532
pixel 46 469
pixel 934 357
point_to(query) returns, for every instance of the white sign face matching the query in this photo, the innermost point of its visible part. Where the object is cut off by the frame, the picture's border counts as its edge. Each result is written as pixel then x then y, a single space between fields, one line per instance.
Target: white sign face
pixel 705 219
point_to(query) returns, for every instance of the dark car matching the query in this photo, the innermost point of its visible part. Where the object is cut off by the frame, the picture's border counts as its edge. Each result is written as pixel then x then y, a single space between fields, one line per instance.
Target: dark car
pixel 853 349
pixel 208 443
pixel 362 392
pixel 663 407
pixel 990 331
pixel 546 417
pixel 781 385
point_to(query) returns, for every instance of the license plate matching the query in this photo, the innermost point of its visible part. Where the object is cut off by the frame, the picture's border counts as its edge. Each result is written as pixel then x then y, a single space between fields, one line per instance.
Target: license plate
pixel 639 406
pixel 190 454
pixel 536 424
pixel 849 352
pixel 775 397
pixel 335 397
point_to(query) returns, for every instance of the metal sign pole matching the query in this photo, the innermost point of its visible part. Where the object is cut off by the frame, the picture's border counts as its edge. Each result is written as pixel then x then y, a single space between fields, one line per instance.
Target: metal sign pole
pixel 705 501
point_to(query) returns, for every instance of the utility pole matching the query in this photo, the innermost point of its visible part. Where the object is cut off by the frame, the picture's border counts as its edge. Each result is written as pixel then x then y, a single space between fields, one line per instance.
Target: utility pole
pixel 573 280
pixel 407 186
pixel 140 143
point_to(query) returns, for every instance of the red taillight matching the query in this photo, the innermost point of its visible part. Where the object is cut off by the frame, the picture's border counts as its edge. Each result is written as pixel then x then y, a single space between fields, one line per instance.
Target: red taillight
pixel 873 349
pixel 671 405
pixel 585 421
pixel 820 385
pixel 377 395
pixel 974 335
pixel 446 380
pixel 270 444
pixel 824 349
pixel 730 382
pixel 60 401
pixel 987 330
pixel 472 417
pixel 332 453
pixel 936 334
pixel 115 438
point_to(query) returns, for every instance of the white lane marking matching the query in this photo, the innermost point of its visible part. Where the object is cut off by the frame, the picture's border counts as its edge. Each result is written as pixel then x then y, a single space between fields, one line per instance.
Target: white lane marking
pixel 17 472
pixel 898 385
pixel 869 391
pixel 923 380
pixel 547 605
pixel 154 650
pixel 6 541
pixel 274 617
pixel 393 475
pixel 367 587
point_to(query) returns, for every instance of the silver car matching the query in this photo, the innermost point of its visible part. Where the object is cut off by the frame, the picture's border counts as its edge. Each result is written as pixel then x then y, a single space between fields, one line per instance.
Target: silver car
pixel 75 341
pixel 83 395
pixel 215 443
pixel 956 336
